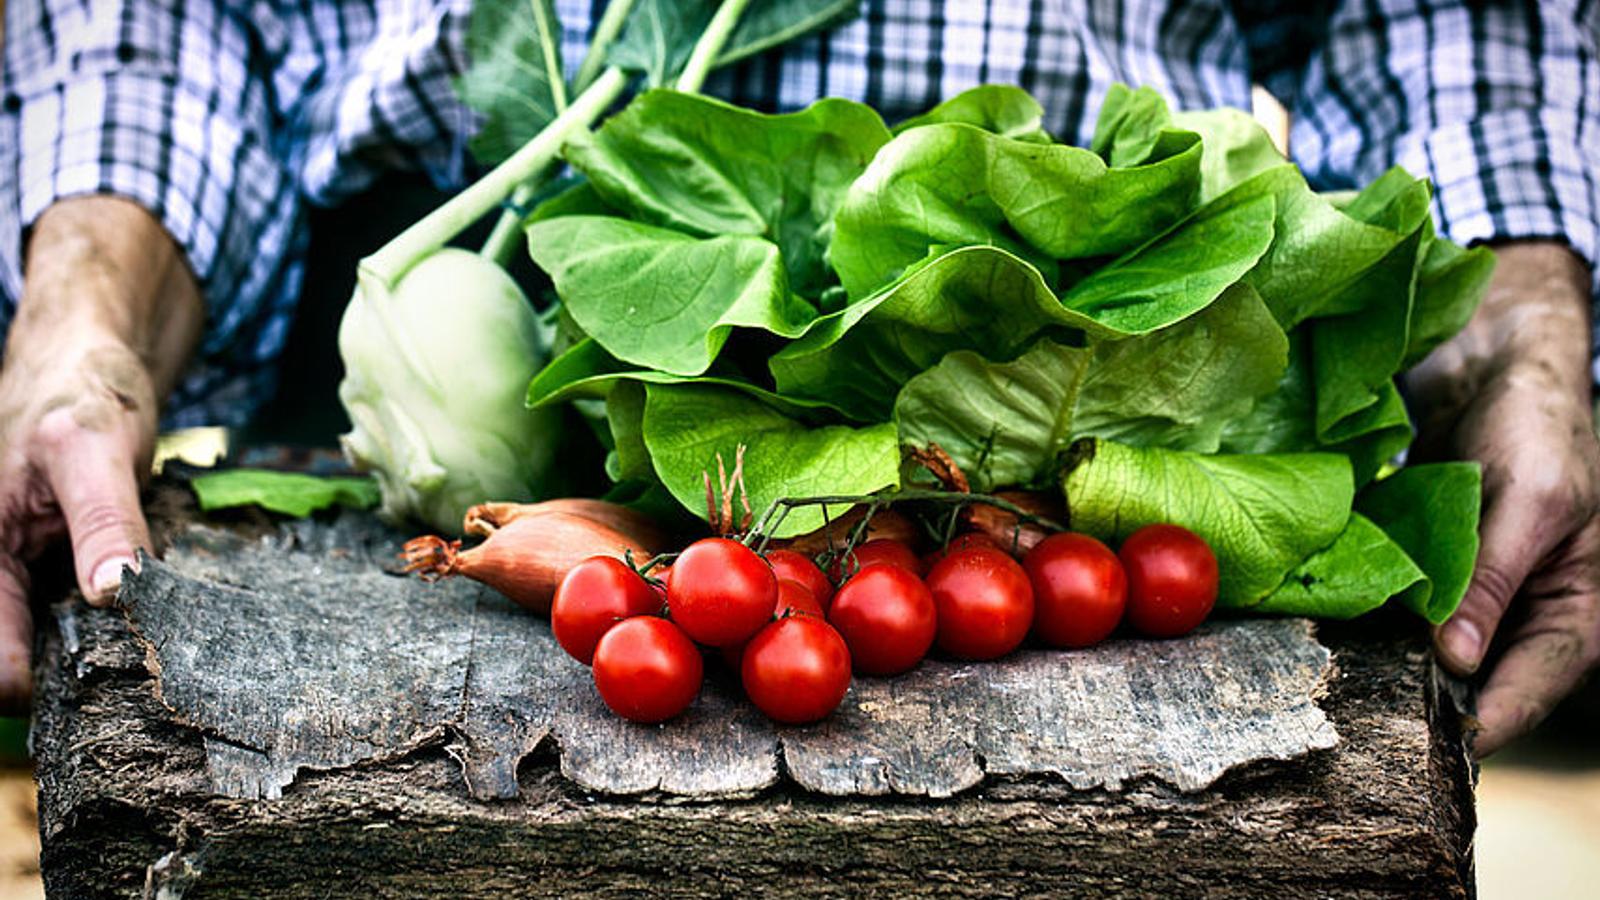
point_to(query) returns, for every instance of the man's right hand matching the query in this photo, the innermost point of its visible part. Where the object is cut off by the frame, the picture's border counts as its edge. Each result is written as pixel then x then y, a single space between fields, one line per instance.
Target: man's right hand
pixel 108 315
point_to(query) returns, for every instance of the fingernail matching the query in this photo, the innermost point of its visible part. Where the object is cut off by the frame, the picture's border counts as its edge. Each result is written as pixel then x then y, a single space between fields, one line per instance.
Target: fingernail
pixel 107 577
pixel 1462 641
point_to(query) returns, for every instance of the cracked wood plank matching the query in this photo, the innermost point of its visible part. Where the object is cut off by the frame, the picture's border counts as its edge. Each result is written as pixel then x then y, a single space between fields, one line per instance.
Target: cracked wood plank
pixel 304 653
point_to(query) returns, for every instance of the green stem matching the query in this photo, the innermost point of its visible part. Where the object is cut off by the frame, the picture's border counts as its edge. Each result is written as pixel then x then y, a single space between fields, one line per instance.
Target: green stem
pixel 610 25
pixel 772 517
pixel 437 228
pixel 508 228
pixel 709 47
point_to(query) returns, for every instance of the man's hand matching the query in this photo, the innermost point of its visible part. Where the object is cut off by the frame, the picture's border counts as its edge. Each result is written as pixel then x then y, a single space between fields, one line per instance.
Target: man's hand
pixel 109 313
pixel 1512 391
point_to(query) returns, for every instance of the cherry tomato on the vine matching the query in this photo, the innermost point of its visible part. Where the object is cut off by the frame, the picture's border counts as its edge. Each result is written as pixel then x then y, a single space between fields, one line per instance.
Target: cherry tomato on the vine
pixel 1079 590
pixel 962 541
pixel 721 592
pixel 799 567
pixel 1172 579
pixel 597 594
pixel 878 551
pixel 795 599
pixel 984 602
pixel 647 669
pixel 796 670
pixel 886 617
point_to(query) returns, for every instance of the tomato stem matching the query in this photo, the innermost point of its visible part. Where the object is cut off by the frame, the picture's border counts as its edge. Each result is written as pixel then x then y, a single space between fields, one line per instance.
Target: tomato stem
pixel 778 510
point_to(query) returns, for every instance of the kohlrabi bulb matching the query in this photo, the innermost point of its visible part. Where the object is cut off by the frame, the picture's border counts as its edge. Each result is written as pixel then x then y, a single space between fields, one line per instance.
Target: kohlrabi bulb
pixel 436 372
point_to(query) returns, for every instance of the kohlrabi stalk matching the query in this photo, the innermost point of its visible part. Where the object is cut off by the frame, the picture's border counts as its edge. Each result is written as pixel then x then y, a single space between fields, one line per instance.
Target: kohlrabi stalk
pixel 440 226
pixel 611 22
pixel 508 228
pixel 710 45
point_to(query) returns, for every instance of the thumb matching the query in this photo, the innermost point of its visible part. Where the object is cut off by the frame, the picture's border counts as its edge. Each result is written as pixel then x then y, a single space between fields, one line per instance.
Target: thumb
pixel 93 478
pixel 1516 534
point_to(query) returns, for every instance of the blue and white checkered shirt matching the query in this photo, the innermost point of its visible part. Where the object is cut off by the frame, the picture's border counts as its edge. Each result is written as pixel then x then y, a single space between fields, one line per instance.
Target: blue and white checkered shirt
pixel 226 117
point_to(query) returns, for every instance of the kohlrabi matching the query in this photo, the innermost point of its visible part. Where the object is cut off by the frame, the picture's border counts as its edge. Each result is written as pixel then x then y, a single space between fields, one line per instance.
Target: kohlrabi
pixel 439 344
pixel 436 369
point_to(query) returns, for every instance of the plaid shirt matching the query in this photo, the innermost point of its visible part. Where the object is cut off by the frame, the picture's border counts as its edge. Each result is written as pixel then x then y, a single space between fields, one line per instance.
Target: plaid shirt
pixel 225 119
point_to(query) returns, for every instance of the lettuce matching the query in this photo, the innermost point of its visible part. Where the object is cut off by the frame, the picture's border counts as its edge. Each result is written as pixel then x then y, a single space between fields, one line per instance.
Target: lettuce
pixel 1168 325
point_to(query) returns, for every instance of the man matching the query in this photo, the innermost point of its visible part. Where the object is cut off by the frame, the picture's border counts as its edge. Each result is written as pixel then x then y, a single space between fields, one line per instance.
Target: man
pixel 163 154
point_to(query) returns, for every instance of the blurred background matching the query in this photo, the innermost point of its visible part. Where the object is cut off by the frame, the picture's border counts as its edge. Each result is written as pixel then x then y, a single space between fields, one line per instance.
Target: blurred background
pixel 1538 801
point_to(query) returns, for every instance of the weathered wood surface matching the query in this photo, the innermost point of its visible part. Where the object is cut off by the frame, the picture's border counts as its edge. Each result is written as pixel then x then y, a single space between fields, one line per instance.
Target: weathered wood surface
pixel 303 652
pixel 129 795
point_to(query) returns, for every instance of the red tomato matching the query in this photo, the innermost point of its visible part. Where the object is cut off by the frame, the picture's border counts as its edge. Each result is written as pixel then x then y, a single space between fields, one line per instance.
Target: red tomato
pixel 647 669
pixel 879 551
pixel 1079 590
pixel 597 594
pixel 985 603
pixel 799 567
pixel 886 617
pixel 795 599
pixel 796 670
pixel 961 541
pixel 721 592
pixel 1172 579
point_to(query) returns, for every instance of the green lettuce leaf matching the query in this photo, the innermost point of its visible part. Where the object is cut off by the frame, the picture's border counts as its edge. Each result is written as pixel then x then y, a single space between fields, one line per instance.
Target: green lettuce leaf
pixel 1133 124
pixel 1356 574
pixel 1262 515
pixel 1006 423
pixel 1003 109
pixel 992 302
pixel 629 459
pixel 970 298
pixel 1178 273
pixel 1450 284
pixel 957 185
pixel 1003 423
pixel 1179 386
pixel 662 299
pixel 704 167
pixel 1317 252
pixel 587 371
pixel 686 426
pixel 1237 148
pixel 1432 512
pixel 289 493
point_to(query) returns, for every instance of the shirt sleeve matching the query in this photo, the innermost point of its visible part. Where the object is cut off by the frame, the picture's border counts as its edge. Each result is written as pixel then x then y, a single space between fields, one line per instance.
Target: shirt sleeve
pixel 167 104
pixel 1497 102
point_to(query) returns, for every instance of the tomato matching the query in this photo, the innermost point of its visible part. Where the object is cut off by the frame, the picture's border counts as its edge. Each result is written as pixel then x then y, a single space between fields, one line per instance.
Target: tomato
pixel 721 592
pixel 795 599
pixel 647 669
pixel 879 551
pixel 1079 590
pixel 961 541
pixel 984 602
pixel 1172 579
pixel 799 567
pixel 597 594
pixel 796 670
pixel 886 617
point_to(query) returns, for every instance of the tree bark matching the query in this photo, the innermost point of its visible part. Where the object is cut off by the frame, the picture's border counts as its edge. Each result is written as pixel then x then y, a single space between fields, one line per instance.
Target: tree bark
pixel 130 802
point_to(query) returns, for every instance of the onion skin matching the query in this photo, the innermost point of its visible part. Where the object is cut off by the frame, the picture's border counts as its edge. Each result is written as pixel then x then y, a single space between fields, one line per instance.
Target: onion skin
pixel 526 558
pixel 1001 526
pixel 487 518
pixel 885 524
